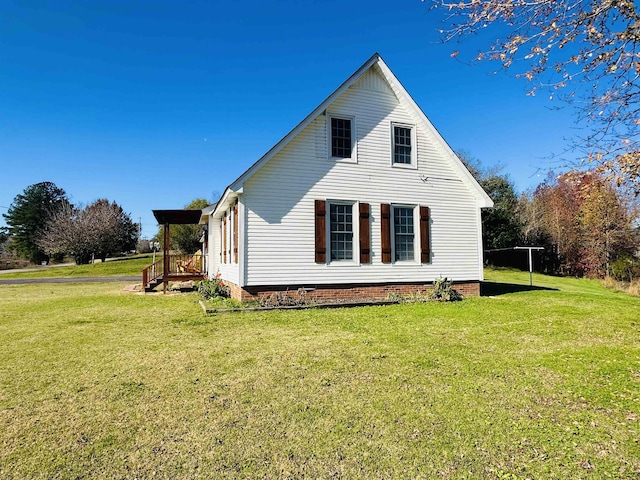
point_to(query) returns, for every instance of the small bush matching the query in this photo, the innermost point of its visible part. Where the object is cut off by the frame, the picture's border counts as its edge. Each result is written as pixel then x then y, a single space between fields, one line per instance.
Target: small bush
pixel 220 303
pixel 415 297
pixel 444 292
pixel 213 288
pixel 625 268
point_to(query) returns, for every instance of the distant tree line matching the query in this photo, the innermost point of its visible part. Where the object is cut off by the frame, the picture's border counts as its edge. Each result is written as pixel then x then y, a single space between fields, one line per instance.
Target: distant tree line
pixel 44 224
pixel 587 226
pixel 585 222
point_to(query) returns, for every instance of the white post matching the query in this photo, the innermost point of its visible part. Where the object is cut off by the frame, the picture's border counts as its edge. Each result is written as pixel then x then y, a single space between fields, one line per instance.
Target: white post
pixel 531 249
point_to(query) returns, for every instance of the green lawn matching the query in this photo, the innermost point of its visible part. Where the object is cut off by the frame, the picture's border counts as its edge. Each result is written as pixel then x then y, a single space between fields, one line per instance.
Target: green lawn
pixel 126 266
pixel 99 383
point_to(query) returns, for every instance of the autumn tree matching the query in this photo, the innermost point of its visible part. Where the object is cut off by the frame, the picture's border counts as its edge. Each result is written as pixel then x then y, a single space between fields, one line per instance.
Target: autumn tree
pixel 66 233
pixel 113 229
pixel 586 53
pixel 558 205
pixel 95 231
pixel 606 223
pixel 583 219
pixel 531 211
pixel 27 216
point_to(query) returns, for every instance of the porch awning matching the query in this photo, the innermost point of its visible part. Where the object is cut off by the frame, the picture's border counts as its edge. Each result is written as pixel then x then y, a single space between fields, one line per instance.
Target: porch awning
pixel 178 217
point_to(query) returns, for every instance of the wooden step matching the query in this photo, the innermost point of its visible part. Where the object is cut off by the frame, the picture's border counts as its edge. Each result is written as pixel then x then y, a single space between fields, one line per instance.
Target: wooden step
pixel 151 286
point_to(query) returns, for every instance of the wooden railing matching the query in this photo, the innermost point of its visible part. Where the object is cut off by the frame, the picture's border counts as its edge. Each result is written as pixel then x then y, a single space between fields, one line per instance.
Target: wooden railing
pixel 152 272
pixel 185 264
pixel 179 264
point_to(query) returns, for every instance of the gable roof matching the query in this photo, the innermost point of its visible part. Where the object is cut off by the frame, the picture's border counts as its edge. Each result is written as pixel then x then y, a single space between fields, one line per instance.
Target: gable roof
pixel 400 93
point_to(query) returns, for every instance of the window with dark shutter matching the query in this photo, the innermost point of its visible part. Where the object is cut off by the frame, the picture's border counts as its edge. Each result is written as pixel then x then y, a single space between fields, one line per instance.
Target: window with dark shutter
pixel 403 234
pixel 385 232
pixel 341 231
pixel 425 240
pixel 235 232
pixel 321 232
pixel 224 238
pixel 365 235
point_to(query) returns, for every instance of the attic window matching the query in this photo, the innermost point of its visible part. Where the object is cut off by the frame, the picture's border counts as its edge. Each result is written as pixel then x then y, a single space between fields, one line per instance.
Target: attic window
pixel 341 134
pixel 403 145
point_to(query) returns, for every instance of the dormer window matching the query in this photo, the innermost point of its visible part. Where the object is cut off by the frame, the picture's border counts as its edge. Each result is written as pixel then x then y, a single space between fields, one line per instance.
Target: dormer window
pixel 341 137
pixel 403 150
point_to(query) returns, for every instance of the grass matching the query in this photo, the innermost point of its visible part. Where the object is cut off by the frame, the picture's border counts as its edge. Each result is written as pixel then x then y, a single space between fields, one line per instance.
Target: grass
pixel 127 266
pixel 99 383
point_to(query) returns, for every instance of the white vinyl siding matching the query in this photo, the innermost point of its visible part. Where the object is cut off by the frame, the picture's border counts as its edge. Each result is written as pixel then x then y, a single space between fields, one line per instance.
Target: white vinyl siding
pixel 279 199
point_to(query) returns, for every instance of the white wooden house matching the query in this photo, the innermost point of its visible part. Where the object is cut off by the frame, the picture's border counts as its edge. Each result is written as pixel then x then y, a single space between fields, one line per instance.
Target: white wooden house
pixel 361 199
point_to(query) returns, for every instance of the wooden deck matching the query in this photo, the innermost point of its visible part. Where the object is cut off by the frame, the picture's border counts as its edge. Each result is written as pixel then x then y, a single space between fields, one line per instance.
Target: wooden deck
pixel 173 268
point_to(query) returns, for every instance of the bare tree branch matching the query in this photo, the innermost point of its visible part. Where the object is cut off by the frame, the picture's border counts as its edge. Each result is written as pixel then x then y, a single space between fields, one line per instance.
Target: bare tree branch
pixel 586 52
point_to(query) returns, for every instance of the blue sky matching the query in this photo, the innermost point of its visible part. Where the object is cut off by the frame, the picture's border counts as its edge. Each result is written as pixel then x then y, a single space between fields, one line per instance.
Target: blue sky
pixel 155 103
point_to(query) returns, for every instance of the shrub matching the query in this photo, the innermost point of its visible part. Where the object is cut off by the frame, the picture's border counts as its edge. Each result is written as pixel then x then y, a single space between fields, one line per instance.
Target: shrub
pixel 213 288
pixel 625 268
pixel 415 297
pixel 444 292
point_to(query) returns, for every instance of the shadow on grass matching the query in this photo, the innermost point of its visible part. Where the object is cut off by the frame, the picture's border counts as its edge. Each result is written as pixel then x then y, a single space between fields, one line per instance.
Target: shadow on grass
pixel 495 288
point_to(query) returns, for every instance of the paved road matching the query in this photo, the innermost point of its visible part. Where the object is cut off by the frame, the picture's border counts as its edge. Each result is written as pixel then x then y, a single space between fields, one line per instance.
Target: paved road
pixel 36 268
pixel 22 281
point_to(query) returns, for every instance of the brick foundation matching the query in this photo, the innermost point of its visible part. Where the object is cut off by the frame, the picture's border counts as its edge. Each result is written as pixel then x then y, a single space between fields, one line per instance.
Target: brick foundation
pixel 337 292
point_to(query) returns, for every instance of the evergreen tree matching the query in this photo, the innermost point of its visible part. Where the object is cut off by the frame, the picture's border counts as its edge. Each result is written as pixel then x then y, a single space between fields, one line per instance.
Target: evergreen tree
pixel 27 216
pixel 501 225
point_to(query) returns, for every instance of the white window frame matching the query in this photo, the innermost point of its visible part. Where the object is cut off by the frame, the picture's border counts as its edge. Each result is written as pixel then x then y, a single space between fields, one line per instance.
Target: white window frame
pixel 416 234
pixel 355 227
pixel 414 146
pixel 354 157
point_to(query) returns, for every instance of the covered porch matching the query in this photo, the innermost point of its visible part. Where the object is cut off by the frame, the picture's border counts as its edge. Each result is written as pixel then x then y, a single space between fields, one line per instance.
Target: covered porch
pixel 174 267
